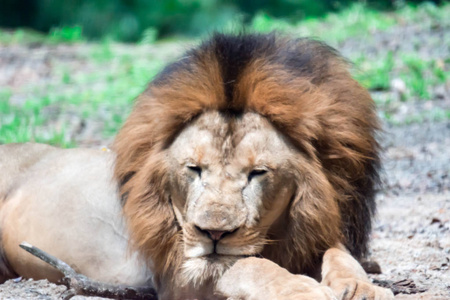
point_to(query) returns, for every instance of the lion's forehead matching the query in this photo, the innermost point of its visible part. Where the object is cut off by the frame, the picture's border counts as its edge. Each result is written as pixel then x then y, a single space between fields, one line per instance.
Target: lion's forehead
pixel 215 139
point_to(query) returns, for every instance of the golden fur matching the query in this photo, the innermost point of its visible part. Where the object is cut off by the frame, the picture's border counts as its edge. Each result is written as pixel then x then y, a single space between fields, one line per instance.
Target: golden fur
pixel 64 202
pixel 305 92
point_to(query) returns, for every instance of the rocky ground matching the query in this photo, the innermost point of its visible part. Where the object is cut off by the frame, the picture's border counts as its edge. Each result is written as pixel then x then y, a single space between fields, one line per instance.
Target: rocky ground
pixel 411 238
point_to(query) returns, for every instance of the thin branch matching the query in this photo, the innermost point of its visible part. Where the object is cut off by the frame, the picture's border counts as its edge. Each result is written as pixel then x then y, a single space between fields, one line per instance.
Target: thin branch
pixel 78 284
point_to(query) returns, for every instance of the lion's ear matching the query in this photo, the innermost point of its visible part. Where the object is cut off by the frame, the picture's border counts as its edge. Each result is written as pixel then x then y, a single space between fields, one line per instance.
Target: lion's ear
pixel 152 223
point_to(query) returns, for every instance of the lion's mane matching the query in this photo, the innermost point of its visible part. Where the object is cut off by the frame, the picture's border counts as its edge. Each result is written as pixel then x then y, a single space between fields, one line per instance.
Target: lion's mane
pixel 301 86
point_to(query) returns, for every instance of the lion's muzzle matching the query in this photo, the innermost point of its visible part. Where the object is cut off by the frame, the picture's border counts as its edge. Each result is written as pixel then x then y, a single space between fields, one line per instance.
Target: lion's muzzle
pixel 215 235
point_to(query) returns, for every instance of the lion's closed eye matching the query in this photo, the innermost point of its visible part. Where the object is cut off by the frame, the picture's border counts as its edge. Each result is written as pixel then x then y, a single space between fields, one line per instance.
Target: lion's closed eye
pixel 196 169
pixel 256 173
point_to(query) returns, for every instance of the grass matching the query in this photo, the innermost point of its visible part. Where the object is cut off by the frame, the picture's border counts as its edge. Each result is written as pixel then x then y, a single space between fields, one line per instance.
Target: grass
pixel 104 95
pixel 375 75
pixel 99 81
pixel 334 28
pixel 56 36
pixel 21 124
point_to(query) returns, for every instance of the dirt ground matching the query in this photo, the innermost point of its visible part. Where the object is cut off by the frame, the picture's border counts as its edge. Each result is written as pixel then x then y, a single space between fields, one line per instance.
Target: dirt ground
pixel 411 240
pixel 411 237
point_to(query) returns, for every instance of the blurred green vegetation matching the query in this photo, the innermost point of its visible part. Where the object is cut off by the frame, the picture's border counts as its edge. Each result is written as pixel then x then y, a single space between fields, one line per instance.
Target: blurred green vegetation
pixel 100 80
pixel 134 20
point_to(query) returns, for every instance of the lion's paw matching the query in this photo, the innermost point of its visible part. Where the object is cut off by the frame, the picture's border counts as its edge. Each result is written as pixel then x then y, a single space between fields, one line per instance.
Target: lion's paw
pixel 354 289
pixel 259 279
pixel 314 292
pixel 278 292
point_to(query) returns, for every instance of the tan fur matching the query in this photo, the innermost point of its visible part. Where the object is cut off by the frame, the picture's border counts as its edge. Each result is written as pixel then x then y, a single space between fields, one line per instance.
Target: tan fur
pixel 64 202
pixel 256 278
pixel 345 276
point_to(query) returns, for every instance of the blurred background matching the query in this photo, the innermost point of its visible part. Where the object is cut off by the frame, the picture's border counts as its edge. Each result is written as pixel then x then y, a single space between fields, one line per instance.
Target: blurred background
pixel 133 20
pixel 70 70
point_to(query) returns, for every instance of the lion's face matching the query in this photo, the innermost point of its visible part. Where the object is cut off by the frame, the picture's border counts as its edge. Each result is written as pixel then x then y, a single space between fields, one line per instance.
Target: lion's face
pixel 231 181
pixel 248 145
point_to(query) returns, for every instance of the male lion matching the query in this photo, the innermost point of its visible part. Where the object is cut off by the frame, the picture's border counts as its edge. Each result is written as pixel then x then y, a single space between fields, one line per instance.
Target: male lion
pixel 252 145
pixel 247 161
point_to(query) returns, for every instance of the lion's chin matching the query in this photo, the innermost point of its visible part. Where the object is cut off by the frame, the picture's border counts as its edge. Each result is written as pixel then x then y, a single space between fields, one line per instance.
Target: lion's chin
pixel 208 269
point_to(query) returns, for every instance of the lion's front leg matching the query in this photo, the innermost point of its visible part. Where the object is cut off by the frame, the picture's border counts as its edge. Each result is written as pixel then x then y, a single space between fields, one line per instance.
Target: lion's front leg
pixel 256 279
pixel 348 280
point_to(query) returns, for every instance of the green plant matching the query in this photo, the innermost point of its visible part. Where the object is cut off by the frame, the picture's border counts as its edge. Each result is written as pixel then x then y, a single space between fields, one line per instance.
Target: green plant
pixel 66 34
pixel 149 36
pixel 262 22
pixel 415 77
pixel 21 36
pixel 375 74
pixel 357 20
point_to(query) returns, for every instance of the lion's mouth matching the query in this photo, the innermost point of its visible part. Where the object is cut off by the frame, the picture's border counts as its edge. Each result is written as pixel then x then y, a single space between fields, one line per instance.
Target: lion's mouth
pixel 220 251
pixel 236 244
pixel 217 256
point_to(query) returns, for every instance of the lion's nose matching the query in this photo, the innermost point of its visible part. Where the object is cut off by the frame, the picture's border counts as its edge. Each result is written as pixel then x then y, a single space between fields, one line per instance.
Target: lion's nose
pixel 214 235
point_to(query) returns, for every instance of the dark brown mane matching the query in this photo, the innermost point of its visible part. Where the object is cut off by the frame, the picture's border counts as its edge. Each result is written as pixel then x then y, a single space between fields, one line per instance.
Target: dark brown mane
pixel 302 86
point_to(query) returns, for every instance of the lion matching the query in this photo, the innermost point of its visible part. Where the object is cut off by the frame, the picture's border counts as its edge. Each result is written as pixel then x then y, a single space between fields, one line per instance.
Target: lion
pixel 246 170
pixel 65 202
pixel 251 159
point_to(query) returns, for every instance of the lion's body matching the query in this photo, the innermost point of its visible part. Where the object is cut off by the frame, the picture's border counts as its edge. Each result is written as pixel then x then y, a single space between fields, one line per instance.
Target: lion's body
pixel 250 145
pixel 64 202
